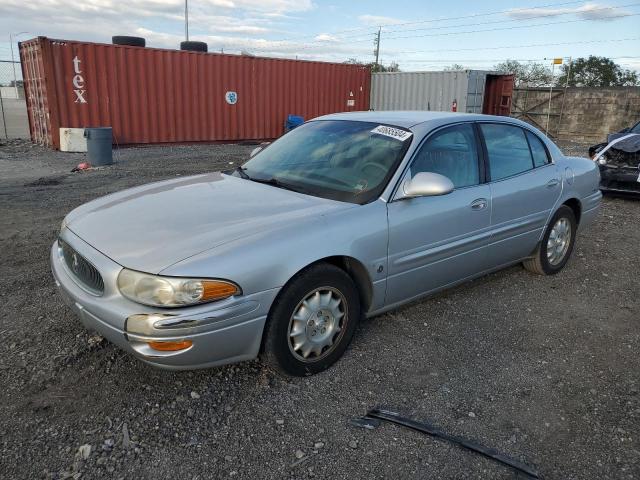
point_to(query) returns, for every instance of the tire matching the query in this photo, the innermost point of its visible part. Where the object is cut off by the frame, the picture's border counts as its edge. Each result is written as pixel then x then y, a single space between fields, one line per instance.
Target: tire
pixel 285 350
pixel 194 46
pixel 129 41
pixel 545 263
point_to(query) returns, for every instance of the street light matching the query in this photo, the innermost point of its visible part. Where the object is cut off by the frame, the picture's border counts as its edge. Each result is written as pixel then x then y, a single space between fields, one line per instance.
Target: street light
pixel 13 62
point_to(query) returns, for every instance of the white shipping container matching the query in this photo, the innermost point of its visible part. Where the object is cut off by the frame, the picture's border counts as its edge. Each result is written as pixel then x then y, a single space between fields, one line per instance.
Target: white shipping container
pixel 429 90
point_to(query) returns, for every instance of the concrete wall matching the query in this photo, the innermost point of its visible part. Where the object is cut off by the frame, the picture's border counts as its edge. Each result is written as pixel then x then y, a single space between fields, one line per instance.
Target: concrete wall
pixel 587 114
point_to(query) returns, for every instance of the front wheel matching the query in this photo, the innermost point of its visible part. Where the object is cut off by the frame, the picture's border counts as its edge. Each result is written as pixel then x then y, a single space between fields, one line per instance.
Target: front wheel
pixel 312 321
pixel 556 246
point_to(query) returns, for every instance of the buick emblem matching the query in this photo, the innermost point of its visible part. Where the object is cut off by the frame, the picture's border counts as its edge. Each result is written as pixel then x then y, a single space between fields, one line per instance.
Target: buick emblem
pixel 75 264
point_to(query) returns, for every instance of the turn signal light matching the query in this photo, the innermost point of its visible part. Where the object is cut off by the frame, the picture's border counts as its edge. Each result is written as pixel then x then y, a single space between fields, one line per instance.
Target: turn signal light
pixel 170 346
pixel 217 290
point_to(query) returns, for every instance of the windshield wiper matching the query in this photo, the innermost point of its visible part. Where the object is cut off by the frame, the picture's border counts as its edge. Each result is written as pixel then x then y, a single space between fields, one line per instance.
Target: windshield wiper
pixel 276 183
pixel 241 171
pixel 267 181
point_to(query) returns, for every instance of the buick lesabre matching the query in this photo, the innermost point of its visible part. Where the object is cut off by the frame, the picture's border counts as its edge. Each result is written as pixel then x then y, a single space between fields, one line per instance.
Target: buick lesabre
pixel 348 215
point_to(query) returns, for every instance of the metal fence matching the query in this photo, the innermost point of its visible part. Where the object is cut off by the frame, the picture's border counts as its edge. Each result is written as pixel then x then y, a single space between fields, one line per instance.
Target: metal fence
pixel 13 108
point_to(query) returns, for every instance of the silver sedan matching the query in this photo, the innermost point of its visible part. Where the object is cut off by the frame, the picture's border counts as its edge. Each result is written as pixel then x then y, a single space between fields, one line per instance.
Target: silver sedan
pixel 347 215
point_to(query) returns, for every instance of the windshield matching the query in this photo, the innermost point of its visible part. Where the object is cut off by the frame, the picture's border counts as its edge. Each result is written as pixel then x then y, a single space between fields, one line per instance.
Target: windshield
pixel 636 129
pixel 337 159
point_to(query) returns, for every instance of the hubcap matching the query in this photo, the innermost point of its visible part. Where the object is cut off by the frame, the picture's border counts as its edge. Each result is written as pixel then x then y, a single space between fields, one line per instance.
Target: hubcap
pixel 317 324
pixel 559 241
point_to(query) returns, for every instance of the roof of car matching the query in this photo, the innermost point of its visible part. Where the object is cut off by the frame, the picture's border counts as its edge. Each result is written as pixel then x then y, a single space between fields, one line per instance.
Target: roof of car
pixel 406 119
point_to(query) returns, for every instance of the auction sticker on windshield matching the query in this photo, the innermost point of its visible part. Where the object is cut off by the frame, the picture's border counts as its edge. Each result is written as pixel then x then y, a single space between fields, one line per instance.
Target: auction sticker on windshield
pixel 396 133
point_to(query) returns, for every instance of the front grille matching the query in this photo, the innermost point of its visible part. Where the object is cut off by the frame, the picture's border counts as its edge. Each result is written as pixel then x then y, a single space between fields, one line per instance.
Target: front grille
pixel 86 273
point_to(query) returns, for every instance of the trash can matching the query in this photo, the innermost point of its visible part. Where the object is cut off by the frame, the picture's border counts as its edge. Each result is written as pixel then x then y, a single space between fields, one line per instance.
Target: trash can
pixel 292 122
pixel 99 150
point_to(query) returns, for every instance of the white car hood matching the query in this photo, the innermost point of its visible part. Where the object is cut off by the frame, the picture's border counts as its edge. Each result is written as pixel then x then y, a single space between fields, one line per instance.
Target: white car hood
pixel 151 227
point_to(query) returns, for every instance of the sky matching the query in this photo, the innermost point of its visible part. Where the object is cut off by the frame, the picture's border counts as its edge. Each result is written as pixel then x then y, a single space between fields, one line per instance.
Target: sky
pixel 416 34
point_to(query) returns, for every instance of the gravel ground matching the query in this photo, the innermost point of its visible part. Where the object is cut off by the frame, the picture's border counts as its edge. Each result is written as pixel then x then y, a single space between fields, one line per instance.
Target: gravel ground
pixel 545 369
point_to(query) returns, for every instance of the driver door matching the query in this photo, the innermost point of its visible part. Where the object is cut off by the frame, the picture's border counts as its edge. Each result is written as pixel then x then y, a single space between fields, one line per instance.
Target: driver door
pixel 439 240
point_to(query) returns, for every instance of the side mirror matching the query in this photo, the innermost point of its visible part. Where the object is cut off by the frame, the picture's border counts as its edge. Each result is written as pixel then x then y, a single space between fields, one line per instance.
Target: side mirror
pixel 427 184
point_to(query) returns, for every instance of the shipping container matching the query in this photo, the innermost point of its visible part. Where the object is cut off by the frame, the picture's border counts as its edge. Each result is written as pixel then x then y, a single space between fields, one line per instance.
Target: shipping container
pixel 150 95
pixel 470 91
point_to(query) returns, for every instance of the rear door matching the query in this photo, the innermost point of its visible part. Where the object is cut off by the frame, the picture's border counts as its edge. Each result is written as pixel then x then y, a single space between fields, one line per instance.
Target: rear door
pixel 525 186
pixel 435 241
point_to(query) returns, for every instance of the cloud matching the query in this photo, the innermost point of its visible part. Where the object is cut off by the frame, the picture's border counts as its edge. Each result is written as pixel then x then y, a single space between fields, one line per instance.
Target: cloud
pixel 375 20
pixel 324 37
pixel 247 26
pixel 588 11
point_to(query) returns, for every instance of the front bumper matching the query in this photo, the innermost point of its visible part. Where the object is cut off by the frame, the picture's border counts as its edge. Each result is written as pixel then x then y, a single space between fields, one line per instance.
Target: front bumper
pixel 222 332
pixel 619 179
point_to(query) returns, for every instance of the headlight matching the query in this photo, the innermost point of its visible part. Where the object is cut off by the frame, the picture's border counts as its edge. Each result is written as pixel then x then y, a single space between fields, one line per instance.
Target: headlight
pixel 602 160
pixel 160 291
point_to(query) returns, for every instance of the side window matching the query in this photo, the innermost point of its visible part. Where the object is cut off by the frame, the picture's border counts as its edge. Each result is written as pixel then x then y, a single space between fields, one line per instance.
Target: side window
pixel 507 148
pixel 451 152
pixel 539 153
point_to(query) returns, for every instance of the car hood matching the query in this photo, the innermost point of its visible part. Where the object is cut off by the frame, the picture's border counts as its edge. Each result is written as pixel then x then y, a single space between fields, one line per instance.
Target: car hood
pixel 151 227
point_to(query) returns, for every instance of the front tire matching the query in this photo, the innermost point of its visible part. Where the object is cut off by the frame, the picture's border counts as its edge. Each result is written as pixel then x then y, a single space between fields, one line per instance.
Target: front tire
pixel 556 246
pixel 312 321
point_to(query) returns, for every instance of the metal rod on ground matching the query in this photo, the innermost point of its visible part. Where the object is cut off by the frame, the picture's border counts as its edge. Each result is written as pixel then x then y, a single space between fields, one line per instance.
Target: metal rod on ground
pixel 546 130
pixel 186 20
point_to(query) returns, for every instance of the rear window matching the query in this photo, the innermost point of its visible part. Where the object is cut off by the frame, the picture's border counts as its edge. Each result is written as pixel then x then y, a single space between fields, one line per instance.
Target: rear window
pixel 539 153
pixel 508 150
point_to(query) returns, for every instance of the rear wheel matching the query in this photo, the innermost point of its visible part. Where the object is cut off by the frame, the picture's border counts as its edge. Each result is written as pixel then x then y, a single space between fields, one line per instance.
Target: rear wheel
pixel 556 246
pixel 312 321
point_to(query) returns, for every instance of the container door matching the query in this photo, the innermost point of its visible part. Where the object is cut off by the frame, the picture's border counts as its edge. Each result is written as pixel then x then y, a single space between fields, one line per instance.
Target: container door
pixel 497 95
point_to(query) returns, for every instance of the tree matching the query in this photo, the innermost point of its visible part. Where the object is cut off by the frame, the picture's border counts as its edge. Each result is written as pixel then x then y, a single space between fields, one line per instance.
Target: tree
pixel 531 74
pixel 392 67
pixel 597 72
pixel 454 67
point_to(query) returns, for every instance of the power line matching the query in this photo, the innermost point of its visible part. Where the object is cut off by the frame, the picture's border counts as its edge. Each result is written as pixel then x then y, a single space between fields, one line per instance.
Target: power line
pixel 440 19
pixel 519 46
pixel 504 28
pixel 311 45
pixel 514 20
pixel 455 60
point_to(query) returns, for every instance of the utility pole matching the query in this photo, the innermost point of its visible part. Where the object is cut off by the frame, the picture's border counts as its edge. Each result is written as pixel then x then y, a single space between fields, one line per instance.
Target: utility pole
pixel 556 61
pixel 13 62
pixel 564 96
pixel 186 20
pixel 377 42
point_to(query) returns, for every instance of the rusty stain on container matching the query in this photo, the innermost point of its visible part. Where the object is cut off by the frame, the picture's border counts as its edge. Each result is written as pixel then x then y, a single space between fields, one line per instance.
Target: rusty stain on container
pixel 150 95
pixel 498 92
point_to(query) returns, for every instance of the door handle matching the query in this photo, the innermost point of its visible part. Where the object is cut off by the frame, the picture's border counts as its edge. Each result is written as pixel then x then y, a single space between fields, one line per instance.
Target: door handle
pixel 479 204
pixel 553 182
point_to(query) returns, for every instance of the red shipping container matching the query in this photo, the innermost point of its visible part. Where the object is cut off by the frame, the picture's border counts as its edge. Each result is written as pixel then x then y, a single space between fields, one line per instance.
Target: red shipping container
pixel 150 95
pixel 498 93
